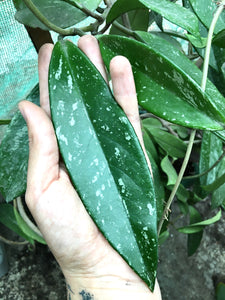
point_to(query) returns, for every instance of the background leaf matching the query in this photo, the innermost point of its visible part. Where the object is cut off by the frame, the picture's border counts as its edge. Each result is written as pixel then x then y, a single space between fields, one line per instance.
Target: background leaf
pixel 139 20
pixel 8 218
pixel 198 226
pixel 98 142
pixel 168 168
pixel 194 239
pixel 203 9
pixel 211 150
pixel 14 153
pixel 170 11
pixel 52 10
pixel 166 77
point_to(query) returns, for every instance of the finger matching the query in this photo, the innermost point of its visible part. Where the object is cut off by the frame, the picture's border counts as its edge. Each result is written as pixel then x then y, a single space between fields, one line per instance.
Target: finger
pixel 44 57
pixel 89 45
pixel 124 90
pixel 125 94
pixel 43 166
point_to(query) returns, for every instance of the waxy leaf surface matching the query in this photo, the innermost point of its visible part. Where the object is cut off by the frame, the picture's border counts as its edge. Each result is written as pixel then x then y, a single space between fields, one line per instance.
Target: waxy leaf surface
pixel 52 10
pixel 167 83
pixel 170 11
pixel 104 158
pixel 14 153
pixel 205 11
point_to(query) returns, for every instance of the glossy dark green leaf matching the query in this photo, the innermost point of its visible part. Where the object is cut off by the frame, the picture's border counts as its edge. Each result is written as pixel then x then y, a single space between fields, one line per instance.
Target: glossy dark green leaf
pixel 194 239
pixel 220 291
pixel 158 186
pixel 205 11
pixel 138 19
pixel 52 10
pixel 104 158
pixel 211 150
pixel 170 11
pixel 7 218
pixel 164 76
pixel 14 153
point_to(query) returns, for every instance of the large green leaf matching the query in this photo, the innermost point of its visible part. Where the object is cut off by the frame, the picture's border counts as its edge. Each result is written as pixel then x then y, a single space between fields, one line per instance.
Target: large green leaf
pixel 58 12
pixel 205 11
pixel 170 11
pixel 14 153
pixel 167 83
pixel 104 158
pixel 211 149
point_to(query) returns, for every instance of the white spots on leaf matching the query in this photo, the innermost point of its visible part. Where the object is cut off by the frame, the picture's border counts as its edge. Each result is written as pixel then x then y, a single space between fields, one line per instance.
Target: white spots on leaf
pixel 70 83
pixel 60 107
pixel 127 136
pixel 151 209
pixel 74 106
pixel 95 178
pixel 70 156
pixel 61 137
pixel 54 87
pixel 95 162
pixel 105 127
pixel 122 185
pixel 59 71
pixel 117 152
pixel 123 120
pixel 72 121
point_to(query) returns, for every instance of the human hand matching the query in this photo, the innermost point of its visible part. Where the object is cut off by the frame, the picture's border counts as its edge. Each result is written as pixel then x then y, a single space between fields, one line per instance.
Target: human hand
pixel 87 260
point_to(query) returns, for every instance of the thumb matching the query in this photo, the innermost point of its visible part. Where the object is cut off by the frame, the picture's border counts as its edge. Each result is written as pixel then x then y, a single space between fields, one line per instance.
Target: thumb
pixel 43 165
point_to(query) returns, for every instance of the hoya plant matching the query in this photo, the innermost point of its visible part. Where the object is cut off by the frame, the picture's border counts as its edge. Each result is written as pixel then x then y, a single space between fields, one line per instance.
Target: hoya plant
pixel 177 53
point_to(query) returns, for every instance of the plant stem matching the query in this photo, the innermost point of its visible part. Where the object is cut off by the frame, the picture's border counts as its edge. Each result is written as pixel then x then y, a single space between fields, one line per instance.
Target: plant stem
pixel 25 217
pixel 50 25
pixel 126 21
pixel 124 29
pixel 12 243
pixel 208 45
pixel 192 135
pixel 4 122
pixel 86 10
pixel 210 169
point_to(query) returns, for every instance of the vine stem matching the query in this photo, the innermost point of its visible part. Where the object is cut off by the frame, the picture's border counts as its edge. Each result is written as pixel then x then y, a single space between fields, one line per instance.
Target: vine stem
pixel 85 10
pixel 26 219
pixel 193 133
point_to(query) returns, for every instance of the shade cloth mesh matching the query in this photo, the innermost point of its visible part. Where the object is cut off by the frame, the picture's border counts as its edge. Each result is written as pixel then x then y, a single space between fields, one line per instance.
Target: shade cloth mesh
pixel 18 61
